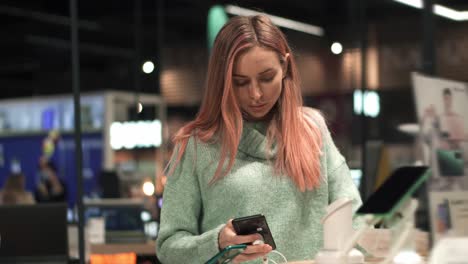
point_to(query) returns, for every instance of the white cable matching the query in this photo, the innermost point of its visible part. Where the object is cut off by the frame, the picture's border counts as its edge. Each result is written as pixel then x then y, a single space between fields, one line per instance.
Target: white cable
pixel 279 253
pixel 274 262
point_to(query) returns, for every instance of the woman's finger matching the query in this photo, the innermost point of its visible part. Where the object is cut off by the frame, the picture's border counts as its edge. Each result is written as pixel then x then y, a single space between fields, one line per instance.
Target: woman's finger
pixel 240 239
pixel 246 257
pixel 257 249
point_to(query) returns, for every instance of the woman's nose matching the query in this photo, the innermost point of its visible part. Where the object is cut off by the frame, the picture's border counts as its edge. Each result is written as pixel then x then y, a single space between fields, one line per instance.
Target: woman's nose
pixel 255 91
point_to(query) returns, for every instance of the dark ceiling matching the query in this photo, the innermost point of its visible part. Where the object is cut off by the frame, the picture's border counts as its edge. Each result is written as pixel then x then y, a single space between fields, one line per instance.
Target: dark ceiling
pixel 35 50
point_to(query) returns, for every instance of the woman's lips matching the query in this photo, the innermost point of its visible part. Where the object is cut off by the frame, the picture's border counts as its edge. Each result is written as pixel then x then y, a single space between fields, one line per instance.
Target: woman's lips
pixel 258 107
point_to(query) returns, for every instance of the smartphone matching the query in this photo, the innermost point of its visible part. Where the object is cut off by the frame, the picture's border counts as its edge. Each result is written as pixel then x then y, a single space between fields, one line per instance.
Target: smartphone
pixel 254 224
pixel 398 187
pixel 227 254
pixel 451 162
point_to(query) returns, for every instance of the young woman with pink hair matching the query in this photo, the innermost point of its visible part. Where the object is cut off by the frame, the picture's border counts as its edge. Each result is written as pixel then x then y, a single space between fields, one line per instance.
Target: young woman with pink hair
pixel 252 149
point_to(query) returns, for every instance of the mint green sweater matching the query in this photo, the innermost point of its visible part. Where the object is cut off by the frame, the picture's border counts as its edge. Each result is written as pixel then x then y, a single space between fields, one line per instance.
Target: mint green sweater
pixel 193 212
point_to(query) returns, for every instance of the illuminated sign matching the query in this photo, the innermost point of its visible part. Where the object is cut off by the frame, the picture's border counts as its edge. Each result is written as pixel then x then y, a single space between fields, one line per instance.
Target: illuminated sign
pixel 137 134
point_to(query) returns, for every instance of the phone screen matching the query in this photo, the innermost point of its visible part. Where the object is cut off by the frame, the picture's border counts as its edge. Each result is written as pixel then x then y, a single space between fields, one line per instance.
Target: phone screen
pixel 395 190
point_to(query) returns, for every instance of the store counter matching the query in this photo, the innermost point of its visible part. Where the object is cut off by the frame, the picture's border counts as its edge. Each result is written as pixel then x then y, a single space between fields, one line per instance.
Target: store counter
pixel 137 253
pixel 369 261
pixel 148 248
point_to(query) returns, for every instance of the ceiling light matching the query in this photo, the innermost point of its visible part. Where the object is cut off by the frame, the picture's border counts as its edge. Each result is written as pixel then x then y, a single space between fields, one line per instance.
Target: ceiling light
pixel 371 103
pixel 413 3
pixel 140 107
pixel 438 10
pixel 145 216
pixel 279 21
pixel 148 188
pixel 148 67
pixel 336 48
pixel 450 13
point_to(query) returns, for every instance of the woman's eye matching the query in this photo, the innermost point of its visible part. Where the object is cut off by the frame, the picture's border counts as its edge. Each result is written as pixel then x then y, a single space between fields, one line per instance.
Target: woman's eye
pixel 240 83
pixel 267 79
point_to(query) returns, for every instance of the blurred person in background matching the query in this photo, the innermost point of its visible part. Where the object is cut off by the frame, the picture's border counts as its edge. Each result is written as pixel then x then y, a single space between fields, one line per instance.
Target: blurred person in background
pixel 50 188
pixel 448 126
pixel 452 124
pixel 252 149
pixel 14 191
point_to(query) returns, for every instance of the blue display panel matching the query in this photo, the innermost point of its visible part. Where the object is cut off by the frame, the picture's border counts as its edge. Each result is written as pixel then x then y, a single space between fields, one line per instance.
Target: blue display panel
pixel 23 152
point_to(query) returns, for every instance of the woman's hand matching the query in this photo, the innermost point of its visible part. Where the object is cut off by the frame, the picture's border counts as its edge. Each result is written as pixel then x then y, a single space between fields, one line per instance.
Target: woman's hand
pixel 228 236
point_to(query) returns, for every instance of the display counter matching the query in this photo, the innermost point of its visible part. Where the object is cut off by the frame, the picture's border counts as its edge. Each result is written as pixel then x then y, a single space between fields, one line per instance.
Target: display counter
pixel 148 248
pixel 368 261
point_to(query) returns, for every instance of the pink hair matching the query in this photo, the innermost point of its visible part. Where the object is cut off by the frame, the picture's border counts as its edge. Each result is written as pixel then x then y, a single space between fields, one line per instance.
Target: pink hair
pixel 296 133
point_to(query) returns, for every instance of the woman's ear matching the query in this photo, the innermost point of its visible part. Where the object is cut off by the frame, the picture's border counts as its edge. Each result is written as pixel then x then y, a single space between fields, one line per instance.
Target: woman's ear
pixel 285 65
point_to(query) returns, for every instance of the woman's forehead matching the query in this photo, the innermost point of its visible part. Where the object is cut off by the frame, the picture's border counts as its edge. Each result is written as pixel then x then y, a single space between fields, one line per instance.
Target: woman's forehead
pixel 255 60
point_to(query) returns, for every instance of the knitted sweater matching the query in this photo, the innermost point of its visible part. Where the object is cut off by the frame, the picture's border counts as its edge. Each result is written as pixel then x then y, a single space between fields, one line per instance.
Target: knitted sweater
pixel 194 212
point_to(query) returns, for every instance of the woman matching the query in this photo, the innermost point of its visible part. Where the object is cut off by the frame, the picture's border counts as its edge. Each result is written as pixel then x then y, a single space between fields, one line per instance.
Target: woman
pixel 252 149
pixel 50 188
pixel 14 192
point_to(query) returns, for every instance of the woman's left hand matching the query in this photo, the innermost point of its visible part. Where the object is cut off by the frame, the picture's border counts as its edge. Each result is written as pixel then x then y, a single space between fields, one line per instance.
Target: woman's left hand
pixel 252 252
pixel 228 236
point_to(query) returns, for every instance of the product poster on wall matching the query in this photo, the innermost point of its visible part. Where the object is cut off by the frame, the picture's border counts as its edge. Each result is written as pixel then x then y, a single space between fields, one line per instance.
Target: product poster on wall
pixel 442 109
pixel 449 214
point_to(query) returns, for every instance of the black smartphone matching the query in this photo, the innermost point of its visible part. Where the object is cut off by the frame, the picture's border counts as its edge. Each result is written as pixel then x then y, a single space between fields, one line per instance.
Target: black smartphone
pixel 227 254
pixel 254 224
pixel 398 187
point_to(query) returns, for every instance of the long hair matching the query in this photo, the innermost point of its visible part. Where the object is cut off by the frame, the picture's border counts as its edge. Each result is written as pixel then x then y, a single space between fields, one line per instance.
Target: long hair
pixel 219 120
pixel 15 182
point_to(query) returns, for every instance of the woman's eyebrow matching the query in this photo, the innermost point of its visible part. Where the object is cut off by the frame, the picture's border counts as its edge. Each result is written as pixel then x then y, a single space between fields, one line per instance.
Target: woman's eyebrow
pixel 243 76
pixel 265 71
pixel 239 75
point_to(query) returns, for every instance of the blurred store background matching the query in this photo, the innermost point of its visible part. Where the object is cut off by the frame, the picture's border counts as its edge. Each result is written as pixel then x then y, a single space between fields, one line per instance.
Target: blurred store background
pixel 142 70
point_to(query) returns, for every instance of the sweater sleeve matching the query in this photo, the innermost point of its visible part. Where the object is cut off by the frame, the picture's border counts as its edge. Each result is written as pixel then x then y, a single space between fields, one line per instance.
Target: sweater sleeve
pixel 179 239
pixel 340 183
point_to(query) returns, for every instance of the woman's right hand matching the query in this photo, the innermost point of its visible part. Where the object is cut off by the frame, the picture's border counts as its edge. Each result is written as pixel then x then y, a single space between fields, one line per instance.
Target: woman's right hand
pixel 228 237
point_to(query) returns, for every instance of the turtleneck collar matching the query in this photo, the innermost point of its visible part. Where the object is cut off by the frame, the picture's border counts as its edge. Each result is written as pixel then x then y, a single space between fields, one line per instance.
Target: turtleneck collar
pixel 254 140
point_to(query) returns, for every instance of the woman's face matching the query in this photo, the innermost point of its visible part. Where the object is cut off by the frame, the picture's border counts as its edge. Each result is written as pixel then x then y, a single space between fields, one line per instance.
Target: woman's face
pixel 257 81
